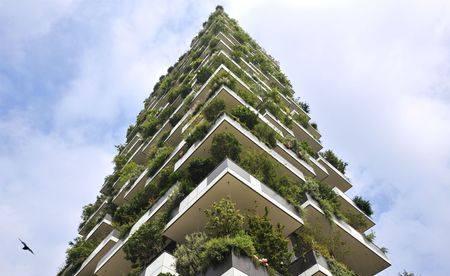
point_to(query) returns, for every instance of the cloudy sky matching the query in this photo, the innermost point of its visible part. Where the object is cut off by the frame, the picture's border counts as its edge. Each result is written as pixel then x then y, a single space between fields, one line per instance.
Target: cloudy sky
pixel 73 75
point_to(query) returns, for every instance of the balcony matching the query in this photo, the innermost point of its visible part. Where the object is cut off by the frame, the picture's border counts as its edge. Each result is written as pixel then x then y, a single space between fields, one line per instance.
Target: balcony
pixel 303 135
pixel 247 140
pixel 229 180
pixel 236 265
pixel 335 178
pixel 143 179
pixel 88 266
pixel 348 206
pixel 85 229
pixel 311 264
pixel 286 131
pixel 101 230
pixel 134 144
pixel 114 262
pixel 165 263
pixel 300 164
pixel 357 253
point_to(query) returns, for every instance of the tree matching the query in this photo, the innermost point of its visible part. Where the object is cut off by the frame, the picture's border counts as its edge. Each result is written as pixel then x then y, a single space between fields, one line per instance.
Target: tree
pixel 214 109
pixel 223 219
pixel 225 145
pixel 364 205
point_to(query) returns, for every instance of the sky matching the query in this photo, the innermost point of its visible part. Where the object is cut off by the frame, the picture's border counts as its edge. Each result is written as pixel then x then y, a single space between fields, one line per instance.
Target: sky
pixel 74 74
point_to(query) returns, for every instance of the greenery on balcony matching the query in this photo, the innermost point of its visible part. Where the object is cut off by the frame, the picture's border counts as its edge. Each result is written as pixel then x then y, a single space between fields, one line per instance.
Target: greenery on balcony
pixel 331 157
pixel 364 205
pixel 79 249
pixel 225 231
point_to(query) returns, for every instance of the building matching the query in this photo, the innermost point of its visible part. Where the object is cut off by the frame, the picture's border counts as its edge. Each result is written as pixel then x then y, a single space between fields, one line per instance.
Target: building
pixel 222 132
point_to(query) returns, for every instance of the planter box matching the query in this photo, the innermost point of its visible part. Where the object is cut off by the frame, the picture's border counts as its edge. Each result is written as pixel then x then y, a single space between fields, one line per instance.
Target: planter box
pixel 236 265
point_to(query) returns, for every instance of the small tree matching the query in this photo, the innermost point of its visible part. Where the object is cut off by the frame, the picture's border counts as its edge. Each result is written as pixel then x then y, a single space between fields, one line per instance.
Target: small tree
pixel 334 160
pixel 270 242
pixel 214 109
pixel 245 116
pixel 188 256
pixel 223 219
pixel 203 75
pixel 364 205
pixel 225 145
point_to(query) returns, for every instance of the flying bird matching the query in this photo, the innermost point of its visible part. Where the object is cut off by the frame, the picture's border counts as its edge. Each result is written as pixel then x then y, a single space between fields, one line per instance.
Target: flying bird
pixel 25 246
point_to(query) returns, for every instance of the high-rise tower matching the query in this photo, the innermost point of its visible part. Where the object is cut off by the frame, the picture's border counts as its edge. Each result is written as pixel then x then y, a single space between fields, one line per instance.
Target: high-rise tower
pixel 223 173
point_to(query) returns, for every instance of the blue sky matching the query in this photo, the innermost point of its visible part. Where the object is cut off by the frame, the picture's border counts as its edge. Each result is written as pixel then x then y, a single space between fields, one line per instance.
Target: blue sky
pixel 73 75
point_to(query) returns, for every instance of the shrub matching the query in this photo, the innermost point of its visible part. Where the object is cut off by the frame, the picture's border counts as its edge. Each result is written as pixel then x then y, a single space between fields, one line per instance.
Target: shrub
pixel 189 255
pixel 217 249
pixel 260 166
pixel 199 168
pixel 146 242
pixel 302 119
pixel 325 196
pixel 128 172
pixel 223 219
pixel 157 161
pixel 334 160
pixel 203 75
pixel 269 242
pixel 266 134
pixel 176 118
pixel 213 43
pixel 198 133
pixel 364 205
pixel 119 161
pixel 304 106
pixel 314 125
pixel 214 109
pixel 245 116
pixel 150 125
pixel 225 145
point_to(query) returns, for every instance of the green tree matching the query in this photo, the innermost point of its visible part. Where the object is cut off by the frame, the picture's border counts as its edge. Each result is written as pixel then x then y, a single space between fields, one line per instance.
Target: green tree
pixel 225 145
pixel 223 219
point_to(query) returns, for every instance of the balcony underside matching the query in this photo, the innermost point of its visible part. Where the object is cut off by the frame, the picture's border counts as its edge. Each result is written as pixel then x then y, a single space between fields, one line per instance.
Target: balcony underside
pixel 248 193
pixel 353 249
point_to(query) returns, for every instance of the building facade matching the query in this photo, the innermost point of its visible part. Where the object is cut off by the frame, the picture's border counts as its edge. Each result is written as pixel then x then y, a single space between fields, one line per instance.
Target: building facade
pixel 223 173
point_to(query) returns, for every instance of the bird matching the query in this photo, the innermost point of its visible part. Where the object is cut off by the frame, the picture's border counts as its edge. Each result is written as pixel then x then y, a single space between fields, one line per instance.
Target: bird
pixel 25 246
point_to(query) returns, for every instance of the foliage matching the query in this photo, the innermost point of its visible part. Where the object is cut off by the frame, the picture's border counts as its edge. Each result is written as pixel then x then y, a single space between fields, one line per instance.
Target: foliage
pixel 364 205
pixel 128 172
pixel 203 75
pixel 339 269
pixel 334 160
pixel 157 161
pixel 218 248
pixel 356 220
pixel 77 252
pixel 245 116
pixel 304 106
pixel 324 195
pixel 314 125
pixel 260 166
pixel 302 119
pixel 214 109
pixel 225 145
pixel 150 125
pixel 183 90
pixel 370 236
pixel 199 168
pixel 198 133
pixel 119 161
pixel 189 257
pixel 146 242
pixel 269 242
pixel 266 134
pixel 223 219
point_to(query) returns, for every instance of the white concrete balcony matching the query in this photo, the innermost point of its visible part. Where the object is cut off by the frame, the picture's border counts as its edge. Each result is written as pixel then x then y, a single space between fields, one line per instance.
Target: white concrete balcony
pixel 84 230
pixel 354 250
pixel 101 230
pixel 300 164
pixel 348 206
pixel 114 261
pixel 248 142
pixel 248 193
pixel 133 145
pixel 303 135
pixel 165 263
pixel 335 178
pixel 311 264
pixel 88 266
pixel 286 131
pixel 144 180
